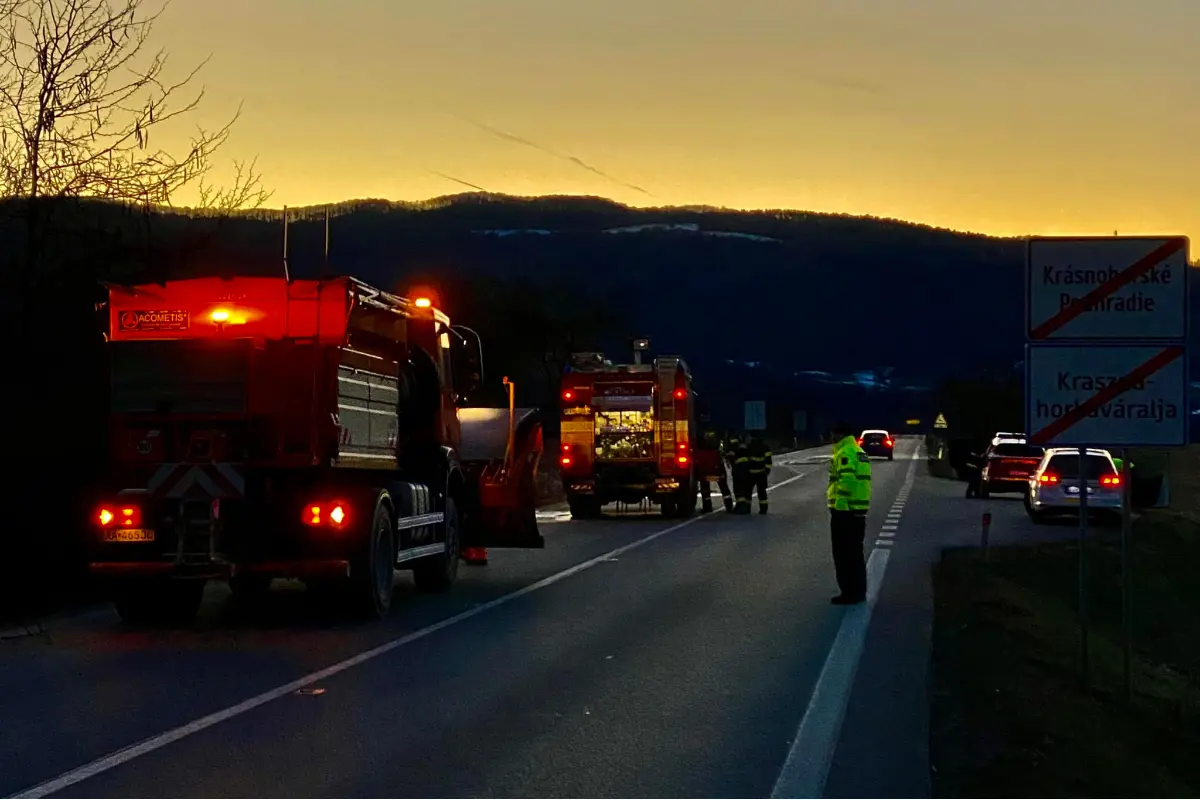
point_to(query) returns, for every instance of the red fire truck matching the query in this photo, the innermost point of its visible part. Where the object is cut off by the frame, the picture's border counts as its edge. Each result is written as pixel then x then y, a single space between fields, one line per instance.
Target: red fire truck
pixel 626 434
pixel 269 428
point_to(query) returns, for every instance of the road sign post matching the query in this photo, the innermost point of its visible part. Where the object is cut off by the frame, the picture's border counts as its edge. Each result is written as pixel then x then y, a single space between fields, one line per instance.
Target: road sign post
pixel 755 415
pixel 1106 362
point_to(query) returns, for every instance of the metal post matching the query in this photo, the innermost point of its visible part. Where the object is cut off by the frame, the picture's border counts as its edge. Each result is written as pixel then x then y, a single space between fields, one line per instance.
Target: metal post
pixel 1083 608
pixel 1126 589
pixel 983 538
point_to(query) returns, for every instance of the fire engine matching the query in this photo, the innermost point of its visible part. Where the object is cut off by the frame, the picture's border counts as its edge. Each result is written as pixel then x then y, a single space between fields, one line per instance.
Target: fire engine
pixel 268 428
pixel 626 434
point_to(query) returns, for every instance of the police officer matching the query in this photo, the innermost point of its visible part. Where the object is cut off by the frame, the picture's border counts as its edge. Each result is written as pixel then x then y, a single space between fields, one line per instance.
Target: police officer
pixel 729 445
pixel 848 497
pixel 741 477
pixel 759 469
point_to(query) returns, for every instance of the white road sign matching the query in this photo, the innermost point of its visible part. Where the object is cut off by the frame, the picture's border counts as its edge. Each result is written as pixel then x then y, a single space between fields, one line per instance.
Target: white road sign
pixel 756 415
pixel 1119 287
pixel 1106 395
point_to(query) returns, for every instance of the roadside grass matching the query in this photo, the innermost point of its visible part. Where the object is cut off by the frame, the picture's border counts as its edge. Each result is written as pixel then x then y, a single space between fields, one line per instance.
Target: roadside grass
pixel 1010 716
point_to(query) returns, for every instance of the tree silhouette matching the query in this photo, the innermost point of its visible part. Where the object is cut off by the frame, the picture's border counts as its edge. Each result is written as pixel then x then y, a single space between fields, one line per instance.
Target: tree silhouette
pixel 80 99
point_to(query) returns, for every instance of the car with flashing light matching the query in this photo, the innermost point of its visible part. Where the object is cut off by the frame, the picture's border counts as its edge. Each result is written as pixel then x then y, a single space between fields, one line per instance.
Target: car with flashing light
pixel 878 443
pixel 1055 486
pixel 1007 466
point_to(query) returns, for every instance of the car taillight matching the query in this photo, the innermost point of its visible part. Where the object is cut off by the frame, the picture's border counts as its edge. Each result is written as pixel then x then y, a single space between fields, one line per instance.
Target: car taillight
pixel 1110 480
pixel 332 514
pixel 119 516
pixel 1047 477
pixel 887 442
pixel 860 441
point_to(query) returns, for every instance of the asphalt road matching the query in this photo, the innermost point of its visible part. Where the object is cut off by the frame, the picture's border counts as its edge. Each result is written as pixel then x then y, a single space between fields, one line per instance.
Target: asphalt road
pixel 638 658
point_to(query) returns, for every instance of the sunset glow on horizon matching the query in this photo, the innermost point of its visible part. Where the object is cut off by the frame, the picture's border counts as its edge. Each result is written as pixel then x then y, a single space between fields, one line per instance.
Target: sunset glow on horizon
pixel 996 117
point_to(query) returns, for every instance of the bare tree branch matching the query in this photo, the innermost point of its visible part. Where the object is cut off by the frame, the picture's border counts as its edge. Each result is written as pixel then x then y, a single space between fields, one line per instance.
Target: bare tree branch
pixel 80 97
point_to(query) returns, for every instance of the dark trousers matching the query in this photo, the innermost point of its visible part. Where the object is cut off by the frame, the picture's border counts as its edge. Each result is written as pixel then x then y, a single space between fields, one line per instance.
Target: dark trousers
pixel 974 479
pixel 742 487
pixel 758 480
pixel 848 530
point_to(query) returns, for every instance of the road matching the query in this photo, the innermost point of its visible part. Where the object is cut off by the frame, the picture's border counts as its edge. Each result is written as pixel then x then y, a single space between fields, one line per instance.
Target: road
pixel 633 657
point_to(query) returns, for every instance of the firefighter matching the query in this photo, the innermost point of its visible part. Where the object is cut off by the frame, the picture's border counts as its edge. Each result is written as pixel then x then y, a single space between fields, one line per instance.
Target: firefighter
pixel 848 498
pixel 741 477
pixel 729 445
pixel 759 469
pixel 476 556
pixel 709 467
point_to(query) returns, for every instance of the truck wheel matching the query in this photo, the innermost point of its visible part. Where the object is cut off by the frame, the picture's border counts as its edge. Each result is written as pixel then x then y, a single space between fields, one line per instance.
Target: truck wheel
pixel 685 503
pixel 164 602
pixel 438 573
pixel 669 507
pixel 583 507
pixel 984 492
pixel 372 575
pixel 249 587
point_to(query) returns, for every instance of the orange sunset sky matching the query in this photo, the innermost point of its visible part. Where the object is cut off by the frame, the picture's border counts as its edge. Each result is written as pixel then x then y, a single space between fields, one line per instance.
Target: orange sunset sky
pixel 1002 116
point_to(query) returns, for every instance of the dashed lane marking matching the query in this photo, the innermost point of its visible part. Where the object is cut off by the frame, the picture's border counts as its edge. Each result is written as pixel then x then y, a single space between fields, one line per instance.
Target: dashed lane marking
pixel 807 765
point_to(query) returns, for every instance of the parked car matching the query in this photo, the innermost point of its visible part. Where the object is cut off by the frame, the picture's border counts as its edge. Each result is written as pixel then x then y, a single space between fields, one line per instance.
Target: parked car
pixel 878 443
pixel 1007 466
pixel 1054 488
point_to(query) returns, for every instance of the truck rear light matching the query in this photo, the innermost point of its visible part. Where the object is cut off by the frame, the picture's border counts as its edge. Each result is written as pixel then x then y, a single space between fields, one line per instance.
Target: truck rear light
pixel 565 458
pixel 333 514
pixel 1048 477
pixel 1110 480
pixel 119 516
pixel 568 395
pixel 680 394
pixel 681 458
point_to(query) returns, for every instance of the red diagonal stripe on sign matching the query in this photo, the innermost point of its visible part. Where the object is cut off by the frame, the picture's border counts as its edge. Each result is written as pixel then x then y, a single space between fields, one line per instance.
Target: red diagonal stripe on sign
pixel 1110 286
pixel 1106 394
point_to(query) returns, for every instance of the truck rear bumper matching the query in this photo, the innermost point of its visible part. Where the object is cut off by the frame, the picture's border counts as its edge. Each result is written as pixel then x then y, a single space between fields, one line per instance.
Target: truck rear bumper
pixel 309 568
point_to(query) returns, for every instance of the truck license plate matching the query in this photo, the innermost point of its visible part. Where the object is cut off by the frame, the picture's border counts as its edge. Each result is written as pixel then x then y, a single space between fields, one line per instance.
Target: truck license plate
pixel 129 535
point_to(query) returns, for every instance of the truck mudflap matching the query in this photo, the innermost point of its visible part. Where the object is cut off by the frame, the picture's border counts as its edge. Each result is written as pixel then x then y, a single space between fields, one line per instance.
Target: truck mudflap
pixel 500 453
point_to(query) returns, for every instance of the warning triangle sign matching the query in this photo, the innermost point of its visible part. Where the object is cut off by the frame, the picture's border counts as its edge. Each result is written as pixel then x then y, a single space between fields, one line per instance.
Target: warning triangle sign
pixel 940 422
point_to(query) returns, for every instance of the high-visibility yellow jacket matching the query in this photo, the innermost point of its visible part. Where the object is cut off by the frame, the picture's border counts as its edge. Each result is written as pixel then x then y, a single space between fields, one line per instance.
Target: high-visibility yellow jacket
pixel 759 456
pixel 849 477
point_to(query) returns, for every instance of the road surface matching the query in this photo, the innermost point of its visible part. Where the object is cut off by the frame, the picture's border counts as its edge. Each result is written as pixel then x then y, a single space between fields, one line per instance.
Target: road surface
pixel 633 657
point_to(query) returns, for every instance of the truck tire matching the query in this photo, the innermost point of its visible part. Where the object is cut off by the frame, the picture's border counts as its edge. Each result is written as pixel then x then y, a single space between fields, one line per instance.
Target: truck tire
pixel 159 602
pixel 250 587
pixel 984 492
pixel 583 507
pixel 438 573
pixel 373 573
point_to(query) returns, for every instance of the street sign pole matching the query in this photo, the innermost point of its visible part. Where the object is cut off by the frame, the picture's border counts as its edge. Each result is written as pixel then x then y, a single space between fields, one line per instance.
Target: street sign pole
pixel 1126 577
pixel 1106 366
pixel 1084 660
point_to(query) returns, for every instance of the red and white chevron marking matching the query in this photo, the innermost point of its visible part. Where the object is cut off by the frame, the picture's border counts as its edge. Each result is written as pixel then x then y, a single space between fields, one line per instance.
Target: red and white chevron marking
pixel 208 480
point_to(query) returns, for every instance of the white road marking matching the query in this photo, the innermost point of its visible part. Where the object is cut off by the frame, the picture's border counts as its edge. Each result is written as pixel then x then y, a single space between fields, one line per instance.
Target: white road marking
pixel 883 543
pixel 807 765
pixel 127 754
pixel 887 534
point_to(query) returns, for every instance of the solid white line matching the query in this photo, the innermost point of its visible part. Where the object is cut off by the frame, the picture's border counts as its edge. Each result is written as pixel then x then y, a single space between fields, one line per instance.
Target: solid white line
pixel 124 755
pixel 807 765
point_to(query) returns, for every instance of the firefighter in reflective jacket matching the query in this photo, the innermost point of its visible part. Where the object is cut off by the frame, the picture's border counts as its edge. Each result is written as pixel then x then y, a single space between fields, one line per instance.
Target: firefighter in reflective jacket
pixel 728 447
pixel 742 484
pixel 759 456
pixel 849 498
pixel 710 467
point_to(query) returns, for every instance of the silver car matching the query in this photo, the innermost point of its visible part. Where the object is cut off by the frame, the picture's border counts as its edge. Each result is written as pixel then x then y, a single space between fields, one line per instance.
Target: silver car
pixel 1054 485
